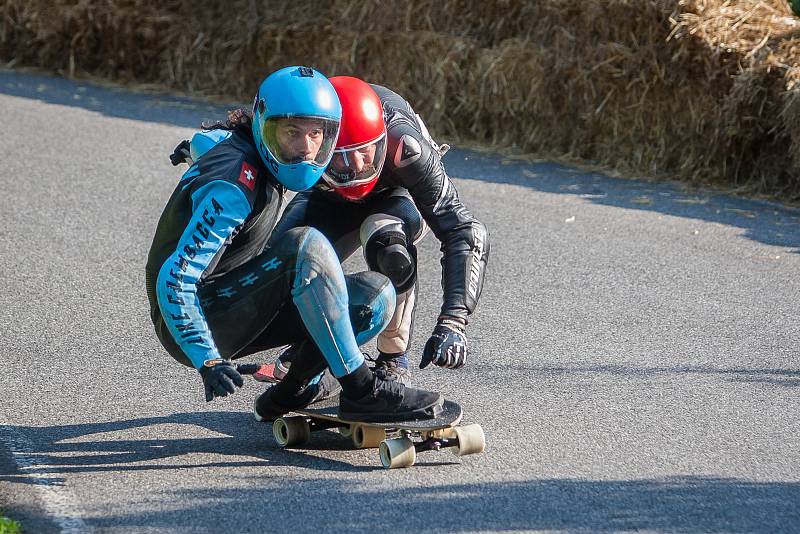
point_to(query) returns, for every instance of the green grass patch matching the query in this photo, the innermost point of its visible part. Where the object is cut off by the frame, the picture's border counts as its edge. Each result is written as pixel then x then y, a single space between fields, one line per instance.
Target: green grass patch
pixel 9 526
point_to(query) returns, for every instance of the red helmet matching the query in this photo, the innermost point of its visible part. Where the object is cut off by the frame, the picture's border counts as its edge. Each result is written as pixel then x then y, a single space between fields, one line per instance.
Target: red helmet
pixel 361 148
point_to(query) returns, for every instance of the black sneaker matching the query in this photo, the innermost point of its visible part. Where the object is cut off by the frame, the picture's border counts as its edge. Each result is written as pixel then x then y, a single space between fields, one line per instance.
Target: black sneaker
pixel 392 369
pixel 284 361
pixel 266 408
pixel 391 401
pixel 327 387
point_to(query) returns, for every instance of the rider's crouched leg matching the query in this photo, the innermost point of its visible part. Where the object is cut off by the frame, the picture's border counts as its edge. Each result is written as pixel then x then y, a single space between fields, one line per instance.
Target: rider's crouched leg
pixel 372 303
pixel 370 308
pixel 320 294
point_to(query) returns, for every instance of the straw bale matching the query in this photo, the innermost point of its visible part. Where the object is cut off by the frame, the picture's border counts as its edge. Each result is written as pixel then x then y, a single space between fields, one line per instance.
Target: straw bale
pixel 704 90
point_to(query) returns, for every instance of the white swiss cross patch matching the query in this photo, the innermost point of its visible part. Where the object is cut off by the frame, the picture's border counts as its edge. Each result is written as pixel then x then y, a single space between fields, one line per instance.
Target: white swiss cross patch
pixel 247 176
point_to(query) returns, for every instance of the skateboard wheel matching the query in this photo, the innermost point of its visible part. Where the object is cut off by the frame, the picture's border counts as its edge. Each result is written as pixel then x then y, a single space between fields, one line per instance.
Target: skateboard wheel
pixel 290 431
pixel 471 440
pixel 398 452
pixel 367 437
pixel 346 430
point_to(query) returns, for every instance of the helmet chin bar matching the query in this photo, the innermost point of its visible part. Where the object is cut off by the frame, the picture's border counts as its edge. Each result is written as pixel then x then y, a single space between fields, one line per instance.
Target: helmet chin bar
pixel 342 172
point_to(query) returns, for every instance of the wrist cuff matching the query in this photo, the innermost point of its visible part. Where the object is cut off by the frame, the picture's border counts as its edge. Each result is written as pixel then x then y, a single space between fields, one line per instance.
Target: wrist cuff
pixel 453 323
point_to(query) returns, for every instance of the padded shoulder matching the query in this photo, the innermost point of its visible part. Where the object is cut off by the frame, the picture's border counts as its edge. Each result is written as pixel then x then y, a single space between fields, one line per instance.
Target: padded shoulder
pixel 204 140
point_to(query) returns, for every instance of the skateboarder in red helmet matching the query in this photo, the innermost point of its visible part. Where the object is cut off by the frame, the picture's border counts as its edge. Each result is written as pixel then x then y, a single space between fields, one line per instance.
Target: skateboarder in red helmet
pixel 384 187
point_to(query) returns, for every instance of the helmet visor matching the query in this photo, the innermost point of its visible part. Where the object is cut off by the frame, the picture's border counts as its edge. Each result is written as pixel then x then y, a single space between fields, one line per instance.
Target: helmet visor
pixel 301 139
pixel 356 165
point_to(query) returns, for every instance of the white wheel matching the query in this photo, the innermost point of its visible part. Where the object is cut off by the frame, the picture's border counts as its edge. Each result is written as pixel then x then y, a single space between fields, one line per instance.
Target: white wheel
pixel 346 431
pixel 290 431
pixel 471 440
pixel 367 437
pixel 398 452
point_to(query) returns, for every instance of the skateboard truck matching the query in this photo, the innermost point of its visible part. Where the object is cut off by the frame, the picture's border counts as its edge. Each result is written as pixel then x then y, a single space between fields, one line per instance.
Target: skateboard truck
pixel 402 451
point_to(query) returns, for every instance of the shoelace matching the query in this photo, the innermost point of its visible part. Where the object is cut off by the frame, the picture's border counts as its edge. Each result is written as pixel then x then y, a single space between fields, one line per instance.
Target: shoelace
pixel 388 388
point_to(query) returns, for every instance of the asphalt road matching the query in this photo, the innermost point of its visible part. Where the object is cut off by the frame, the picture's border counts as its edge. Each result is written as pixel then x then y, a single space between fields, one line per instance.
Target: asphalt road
pixel 634 357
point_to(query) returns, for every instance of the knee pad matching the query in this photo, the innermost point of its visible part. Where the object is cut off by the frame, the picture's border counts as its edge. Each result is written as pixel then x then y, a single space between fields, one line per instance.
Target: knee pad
pixel 314 257
pixel 389 253
pixel 396 263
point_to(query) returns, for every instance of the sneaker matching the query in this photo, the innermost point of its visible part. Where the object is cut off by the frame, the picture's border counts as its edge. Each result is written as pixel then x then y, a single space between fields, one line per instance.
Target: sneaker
pixel 284 361
pixel 269 372
pixel 266 408
pixel 391 401
pixel 392 369
pixel 327 388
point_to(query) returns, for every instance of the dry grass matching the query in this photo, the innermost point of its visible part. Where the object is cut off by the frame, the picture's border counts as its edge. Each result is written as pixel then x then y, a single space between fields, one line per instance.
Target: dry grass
pixel 705 91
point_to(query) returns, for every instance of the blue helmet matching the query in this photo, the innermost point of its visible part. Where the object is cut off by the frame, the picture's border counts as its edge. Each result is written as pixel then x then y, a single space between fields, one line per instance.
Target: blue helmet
pixel 296 116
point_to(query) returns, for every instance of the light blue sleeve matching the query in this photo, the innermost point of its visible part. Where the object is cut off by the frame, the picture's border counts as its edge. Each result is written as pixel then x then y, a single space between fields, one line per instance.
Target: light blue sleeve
pixel 218 209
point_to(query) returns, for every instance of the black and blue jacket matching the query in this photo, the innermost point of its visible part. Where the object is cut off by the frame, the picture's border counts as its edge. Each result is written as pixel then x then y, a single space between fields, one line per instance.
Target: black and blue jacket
pixel 219 216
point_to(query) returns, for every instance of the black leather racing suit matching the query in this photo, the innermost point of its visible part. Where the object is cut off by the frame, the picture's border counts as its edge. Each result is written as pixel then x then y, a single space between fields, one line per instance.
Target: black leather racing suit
pixel 413 171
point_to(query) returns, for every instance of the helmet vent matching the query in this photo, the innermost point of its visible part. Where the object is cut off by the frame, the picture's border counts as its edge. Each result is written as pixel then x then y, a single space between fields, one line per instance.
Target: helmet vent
pixel 306 72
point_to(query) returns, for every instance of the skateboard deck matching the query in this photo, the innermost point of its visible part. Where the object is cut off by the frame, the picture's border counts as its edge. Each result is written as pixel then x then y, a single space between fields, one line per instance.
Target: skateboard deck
pixel 398 442
pixel 450 415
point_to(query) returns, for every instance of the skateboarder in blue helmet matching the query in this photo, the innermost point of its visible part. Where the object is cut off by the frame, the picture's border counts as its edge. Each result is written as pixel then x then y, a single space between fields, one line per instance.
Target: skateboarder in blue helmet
pixel 218 292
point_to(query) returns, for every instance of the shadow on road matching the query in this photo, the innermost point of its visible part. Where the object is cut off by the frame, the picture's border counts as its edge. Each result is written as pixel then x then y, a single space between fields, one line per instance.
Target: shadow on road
pixel 686 504
pixel 765 222
pixel 91 447
pixel 680 504
pixel 110 101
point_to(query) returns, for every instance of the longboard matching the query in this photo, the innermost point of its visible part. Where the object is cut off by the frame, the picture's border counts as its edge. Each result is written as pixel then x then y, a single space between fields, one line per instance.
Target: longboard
pixel 398 442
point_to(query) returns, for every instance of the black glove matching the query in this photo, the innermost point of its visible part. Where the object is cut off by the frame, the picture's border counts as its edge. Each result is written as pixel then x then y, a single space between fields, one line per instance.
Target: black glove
pixel 219 378
pixel 181 153
pixel 447 346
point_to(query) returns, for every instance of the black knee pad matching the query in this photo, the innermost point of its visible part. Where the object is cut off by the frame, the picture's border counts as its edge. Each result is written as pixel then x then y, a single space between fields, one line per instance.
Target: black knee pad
pixel 396 263
pixel 389 254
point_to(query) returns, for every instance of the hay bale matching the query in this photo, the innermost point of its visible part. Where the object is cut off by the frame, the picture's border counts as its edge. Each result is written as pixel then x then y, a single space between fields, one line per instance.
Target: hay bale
pixel 704 90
